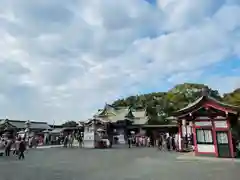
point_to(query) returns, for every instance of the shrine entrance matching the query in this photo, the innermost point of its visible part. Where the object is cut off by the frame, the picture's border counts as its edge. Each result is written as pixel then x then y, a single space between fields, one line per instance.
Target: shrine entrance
pixel 211 127
pixel 223 144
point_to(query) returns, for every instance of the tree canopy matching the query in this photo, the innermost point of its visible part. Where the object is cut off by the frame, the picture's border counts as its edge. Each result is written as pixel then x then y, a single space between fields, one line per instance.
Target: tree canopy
pixel 232 97
pixel 160 105
pixel 70 124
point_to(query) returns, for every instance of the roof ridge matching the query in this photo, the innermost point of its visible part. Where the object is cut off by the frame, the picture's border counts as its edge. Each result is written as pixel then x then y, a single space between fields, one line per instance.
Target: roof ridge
pixel 23 121
pixel 221 102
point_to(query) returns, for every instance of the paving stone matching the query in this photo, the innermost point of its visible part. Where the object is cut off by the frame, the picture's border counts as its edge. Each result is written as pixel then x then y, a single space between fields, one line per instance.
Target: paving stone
pixel 112 164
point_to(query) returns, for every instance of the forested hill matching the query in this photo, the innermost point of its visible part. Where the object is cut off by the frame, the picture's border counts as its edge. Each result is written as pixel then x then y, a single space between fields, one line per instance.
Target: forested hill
pixel 164 103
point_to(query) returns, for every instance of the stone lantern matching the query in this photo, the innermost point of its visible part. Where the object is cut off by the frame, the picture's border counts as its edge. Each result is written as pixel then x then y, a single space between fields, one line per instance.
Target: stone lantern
pixel 8 130
pixel 27 129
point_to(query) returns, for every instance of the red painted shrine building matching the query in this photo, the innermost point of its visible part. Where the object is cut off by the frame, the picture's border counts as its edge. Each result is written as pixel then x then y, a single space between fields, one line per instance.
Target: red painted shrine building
pixel 209 123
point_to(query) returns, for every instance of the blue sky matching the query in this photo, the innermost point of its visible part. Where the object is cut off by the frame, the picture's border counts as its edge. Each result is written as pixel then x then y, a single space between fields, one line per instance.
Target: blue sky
pixel 151 1
pixel 63 60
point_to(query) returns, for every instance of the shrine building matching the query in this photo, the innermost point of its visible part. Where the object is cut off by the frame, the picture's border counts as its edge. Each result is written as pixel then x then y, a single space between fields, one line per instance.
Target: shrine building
pixel 209 122
pixel 126 119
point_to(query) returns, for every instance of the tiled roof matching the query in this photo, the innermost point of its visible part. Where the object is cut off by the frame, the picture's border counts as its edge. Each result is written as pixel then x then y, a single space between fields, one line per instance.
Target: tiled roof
pixel 117 114
pixel 57 130
pixel 140 121
pixel 34 125
pixel 120 115
pixel 140 117
pixel 198 103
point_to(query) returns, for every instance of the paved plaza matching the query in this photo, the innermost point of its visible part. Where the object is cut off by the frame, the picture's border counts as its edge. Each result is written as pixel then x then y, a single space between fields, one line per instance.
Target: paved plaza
pixel 113 164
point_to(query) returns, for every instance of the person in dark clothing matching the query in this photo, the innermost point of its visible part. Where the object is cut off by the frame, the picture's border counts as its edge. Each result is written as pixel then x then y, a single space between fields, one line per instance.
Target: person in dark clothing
pixel 168 143
pixel 65 141
pixel 8 147
pixel 80 140
pixel 22 148
pixel 129 141
pixel 160 141
pixel 173 143
pixel 186 141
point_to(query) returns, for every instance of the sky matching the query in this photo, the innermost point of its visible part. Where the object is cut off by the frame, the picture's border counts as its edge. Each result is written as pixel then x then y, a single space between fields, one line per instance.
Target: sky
pixel 62 60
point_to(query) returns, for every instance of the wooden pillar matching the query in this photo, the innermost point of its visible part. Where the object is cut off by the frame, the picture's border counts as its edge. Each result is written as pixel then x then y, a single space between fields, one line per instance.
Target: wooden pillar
pixel 191 132
pixel 191 126
pixel 214 138
pixel 180 135
pixel 230 137
pixel 184 135
pixel 194 138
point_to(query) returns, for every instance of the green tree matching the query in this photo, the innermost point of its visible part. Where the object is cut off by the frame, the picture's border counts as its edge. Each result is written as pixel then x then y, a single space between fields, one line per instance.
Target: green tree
pixel 232 97
pixel 184 94
pixel 160 105
pixel 70 124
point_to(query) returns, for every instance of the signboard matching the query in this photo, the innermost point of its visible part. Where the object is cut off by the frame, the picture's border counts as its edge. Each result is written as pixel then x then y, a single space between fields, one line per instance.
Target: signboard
pixel 121 139
pixel 88 136
pixel 205 148
pixel 89 140
pixel 220 124
pixel 203 123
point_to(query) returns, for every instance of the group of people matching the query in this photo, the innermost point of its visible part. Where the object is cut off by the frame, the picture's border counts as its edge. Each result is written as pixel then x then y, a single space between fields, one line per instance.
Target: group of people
pixel 167 142
pixel 68 140
pixel 163 142
pixel 17 146
pixel 141 141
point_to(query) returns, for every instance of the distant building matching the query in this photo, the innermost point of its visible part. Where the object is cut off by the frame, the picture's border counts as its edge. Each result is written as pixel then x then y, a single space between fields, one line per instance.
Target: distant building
pixel 126 119
pixel 119 115
pixel 19 125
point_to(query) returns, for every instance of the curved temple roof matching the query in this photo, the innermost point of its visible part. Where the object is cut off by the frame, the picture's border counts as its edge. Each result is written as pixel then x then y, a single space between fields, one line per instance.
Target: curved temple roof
pixel 111 114
pixel 203 100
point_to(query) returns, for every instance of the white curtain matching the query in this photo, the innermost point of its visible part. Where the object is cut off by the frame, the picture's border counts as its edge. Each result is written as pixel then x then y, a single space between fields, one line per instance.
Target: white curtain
pixel 204 136
pixel 222 138
pixel 200 136
pixel 208 136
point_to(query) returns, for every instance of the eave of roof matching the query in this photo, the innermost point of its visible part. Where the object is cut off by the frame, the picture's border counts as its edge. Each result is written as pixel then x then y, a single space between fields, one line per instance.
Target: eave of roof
pixel 200 101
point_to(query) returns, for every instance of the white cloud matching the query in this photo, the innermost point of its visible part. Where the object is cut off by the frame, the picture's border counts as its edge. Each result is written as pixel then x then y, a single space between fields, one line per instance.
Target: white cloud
pixel 224 83
pixel 64 59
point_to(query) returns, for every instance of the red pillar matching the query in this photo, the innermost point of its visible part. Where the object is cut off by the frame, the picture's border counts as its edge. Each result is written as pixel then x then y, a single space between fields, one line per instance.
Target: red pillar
pixel 194 138
pixel 214 138
pixel 230 138
pixel 180 136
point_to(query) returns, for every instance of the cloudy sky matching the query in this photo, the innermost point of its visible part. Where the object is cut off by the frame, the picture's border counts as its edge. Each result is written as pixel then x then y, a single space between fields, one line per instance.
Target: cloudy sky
pixel 63 59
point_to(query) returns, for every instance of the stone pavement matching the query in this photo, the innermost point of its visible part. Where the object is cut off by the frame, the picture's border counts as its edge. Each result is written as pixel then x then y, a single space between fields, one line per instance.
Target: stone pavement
pixel 191 156
pixel 39 147
pixel 112 164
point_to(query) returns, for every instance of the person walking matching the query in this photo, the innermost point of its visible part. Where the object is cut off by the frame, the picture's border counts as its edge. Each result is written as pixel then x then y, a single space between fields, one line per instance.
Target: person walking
pixel 70 140
pixel 129 141
pixel 160 142
pixel 173 143
pixel 80 141
pixel 148 142
pixel 65 141
pixel 168 142
pixel 16 146
pixel 8 147
pixel 164 142
pixel 22 148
